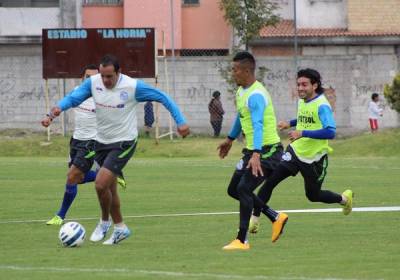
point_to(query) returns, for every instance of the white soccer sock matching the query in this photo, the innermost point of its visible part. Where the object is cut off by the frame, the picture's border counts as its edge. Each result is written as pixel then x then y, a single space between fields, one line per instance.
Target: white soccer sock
pixel 344 200
pixel 120 225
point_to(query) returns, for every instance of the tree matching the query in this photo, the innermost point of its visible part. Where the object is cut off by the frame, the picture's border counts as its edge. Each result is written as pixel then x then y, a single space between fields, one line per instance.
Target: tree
pixel 392 93
pixel 247 17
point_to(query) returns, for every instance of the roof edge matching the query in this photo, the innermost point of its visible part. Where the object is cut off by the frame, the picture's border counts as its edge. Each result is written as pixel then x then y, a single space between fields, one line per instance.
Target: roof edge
pixel 337 40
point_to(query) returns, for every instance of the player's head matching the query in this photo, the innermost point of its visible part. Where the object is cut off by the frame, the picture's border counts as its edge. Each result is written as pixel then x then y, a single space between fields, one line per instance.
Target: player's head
pixel 216 94
pixel 375 97
pixel 243 68
pixel 308 83
pixel 109 70
pixel 89 70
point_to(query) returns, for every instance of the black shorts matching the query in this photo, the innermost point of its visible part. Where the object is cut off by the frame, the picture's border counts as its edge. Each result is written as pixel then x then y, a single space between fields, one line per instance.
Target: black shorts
pixel 270 158
pixel 313 173
pixel 115 156
pixel 81 154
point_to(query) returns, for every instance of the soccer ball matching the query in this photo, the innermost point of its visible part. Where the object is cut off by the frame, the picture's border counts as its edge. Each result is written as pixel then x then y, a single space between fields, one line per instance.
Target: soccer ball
pixel 72 234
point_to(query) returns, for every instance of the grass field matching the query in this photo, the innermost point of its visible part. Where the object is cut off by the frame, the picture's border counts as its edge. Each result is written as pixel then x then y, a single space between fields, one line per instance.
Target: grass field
pixel 364 245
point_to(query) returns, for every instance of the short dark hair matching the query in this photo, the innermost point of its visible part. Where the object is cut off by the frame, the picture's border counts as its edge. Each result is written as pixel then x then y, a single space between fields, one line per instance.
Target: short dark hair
pixel 246 58
pixel 110 59
pixel 374 95
pixel 314 76
pixel 216 94
pixel 89 67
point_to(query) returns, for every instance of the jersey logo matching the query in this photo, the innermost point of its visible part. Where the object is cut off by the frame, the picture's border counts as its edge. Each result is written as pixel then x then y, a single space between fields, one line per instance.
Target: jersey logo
pixel 99 89
pixel 305 119
pixel 287 156
pixel 239 165
pixel 123 96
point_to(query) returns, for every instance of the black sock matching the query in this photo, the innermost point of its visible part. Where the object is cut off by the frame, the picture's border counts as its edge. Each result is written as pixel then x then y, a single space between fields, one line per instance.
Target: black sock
pixel 270 213
pixel 242 235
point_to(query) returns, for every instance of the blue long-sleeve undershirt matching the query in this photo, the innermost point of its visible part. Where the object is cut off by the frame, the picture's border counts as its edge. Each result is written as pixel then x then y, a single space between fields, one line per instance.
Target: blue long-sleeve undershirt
pixel 328 130
pixel 256 105
pixel 144 92
pixel 236 128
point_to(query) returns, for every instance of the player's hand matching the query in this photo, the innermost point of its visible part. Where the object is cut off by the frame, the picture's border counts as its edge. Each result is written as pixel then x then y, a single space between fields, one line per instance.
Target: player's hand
pixel 55 111
pixel 255 165
pixel 224 148
pixel 46 121
pixel 184 130
pixel 283 125
pixel 295 134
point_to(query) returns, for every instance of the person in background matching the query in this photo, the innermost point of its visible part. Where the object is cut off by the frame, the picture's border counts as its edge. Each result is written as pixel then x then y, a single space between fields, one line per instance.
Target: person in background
pixel 148 117
pixel 374 112
pixel 216 113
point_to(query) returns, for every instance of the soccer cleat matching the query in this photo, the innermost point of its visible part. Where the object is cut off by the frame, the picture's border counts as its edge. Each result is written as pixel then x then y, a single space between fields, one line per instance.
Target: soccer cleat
pixel 117 236
pixel 348 206
pixel 236 245
pixel 100 231
pixel 121 181
pixel 56 221
pixel 254 225
pixel 278 225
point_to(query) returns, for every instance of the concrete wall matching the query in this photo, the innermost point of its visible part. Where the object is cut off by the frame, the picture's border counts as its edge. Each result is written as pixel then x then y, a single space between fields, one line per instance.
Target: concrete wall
pixel 18 21
pixel 352 77
pixel 315 13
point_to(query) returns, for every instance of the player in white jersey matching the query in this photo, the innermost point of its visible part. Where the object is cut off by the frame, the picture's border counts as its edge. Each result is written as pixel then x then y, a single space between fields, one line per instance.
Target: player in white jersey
pixel 116 97
pixel 81 151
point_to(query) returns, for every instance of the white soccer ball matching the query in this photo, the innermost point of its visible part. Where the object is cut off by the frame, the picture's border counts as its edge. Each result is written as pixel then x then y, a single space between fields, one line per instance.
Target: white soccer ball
pixel 72 234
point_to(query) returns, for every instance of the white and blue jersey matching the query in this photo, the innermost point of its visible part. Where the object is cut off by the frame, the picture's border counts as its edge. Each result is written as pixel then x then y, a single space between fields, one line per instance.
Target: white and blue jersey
pixel 116 107
pixel 85 121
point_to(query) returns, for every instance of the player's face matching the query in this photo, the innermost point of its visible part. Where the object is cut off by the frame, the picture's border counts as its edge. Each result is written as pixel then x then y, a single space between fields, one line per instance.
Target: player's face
pixel 239 73
pixel 305 89
pixel 89 72
pixel 109 76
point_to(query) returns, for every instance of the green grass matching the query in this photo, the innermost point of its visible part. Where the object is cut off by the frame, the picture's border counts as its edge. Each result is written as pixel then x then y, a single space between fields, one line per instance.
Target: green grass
pixel 314 246
pixel 20 144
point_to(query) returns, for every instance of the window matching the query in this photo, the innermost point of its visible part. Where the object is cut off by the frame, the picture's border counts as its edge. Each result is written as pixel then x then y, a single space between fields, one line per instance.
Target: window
pixel 29 3
pixel 102 2
pixel 190 2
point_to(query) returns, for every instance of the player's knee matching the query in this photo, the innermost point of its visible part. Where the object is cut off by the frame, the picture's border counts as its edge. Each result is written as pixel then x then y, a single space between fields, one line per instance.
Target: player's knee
pixel 232 192
pixel 74 177
pixel 312 196
pixel 100 187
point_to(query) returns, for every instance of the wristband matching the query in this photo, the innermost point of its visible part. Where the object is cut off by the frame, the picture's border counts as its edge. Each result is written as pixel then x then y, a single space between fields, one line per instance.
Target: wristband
pixel 50 115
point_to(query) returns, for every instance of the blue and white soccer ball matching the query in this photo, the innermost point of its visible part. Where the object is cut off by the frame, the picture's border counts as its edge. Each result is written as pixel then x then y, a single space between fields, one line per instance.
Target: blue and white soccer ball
pixel 72 234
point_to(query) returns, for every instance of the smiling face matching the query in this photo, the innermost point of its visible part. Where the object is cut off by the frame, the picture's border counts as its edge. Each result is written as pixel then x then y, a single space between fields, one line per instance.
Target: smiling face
pixel 109 76
pixel 305 89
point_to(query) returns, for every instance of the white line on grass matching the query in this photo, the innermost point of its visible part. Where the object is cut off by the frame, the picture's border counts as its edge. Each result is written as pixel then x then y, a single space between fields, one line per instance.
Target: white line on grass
pixel 323 210
pixel 174 274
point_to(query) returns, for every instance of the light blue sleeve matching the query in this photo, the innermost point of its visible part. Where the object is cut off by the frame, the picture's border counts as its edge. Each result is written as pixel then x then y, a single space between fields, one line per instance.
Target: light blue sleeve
pixel 326 116
pixel 145 92
pixel 77 96
pixel 236 128
pixel 257 105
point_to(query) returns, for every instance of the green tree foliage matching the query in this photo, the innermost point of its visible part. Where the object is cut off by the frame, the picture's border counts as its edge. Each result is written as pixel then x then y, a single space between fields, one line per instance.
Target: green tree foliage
pixel 248 17
pixel 392 93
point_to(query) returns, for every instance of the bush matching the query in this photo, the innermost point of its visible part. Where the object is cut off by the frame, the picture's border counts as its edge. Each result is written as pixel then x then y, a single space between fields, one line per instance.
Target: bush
pixel 392 93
